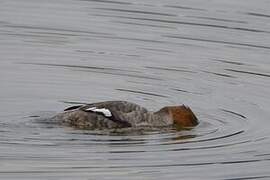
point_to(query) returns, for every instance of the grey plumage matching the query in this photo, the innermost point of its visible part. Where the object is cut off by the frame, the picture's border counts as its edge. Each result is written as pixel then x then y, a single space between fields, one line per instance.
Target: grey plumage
pixel 124 114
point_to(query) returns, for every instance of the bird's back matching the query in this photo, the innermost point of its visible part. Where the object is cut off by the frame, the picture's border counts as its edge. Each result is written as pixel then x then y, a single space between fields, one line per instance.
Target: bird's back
pixel 108 114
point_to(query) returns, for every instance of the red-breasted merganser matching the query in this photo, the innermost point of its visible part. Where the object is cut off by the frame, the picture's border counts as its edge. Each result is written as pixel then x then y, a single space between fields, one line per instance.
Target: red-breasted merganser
pixel 121 114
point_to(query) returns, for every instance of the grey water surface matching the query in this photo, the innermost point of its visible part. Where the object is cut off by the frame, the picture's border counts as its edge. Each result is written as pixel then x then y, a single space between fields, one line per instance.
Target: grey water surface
pixel 212 55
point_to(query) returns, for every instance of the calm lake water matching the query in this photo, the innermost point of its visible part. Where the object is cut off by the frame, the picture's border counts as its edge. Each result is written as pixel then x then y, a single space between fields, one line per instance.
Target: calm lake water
pixel 212 55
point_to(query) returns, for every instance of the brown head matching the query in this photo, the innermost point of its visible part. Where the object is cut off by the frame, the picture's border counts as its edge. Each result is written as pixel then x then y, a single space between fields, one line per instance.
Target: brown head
pixel 182 116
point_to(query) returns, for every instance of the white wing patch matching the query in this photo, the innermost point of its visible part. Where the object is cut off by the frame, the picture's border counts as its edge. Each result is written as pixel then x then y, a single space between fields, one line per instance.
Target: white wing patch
pixel 106 112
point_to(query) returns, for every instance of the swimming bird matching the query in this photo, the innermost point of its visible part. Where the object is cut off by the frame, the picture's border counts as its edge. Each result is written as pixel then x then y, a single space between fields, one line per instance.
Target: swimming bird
pixel 123 114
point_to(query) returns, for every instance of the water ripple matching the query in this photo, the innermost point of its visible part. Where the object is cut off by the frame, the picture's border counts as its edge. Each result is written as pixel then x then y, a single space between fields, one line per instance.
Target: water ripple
pixel 210 55
pixel 136 11
pixel 217 41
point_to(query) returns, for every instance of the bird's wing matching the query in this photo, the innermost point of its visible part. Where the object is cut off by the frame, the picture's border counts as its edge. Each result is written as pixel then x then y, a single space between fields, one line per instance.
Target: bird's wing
pixel 121 112
pixel 73 107
pixel 120 106
pixel 116 111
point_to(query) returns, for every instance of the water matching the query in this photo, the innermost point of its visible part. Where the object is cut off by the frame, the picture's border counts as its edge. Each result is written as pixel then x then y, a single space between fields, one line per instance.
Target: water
pixel 210 55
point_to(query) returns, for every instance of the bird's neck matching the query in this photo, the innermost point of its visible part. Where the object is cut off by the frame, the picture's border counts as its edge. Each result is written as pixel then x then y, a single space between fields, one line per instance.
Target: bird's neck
pixel 160 119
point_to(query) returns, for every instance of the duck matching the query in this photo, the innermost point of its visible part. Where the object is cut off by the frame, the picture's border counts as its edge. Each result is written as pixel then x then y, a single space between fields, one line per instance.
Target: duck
pixel 124 114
